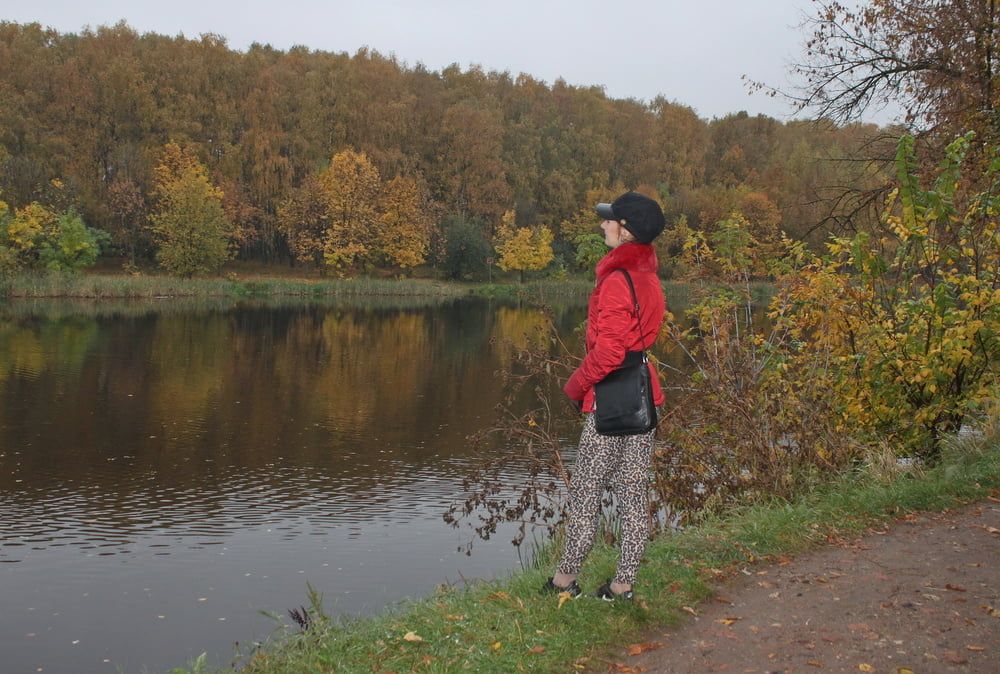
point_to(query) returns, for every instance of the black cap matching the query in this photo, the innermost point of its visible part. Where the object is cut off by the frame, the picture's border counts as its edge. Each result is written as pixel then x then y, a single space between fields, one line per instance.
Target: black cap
pixel 637 213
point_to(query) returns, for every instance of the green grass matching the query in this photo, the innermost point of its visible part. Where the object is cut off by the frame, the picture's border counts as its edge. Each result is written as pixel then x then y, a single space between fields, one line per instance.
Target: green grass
pixel 507 626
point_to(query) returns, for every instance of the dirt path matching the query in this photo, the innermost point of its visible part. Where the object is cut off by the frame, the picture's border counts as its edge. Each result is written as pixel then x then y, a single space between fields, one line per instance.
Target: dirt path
pixel 921 597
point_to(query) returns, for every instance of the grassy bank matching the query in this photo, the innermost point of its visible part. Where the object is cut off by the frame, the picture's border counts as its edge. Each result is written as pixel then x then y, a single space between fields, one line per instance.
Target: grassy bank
pixel 100 286
pixel 507 626
pixel 153 286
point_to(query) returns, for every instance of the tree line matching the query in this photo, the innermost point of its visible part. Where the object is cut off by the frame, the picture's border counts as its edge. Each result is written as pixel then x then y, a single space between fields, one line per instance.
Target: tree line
pixel 357 161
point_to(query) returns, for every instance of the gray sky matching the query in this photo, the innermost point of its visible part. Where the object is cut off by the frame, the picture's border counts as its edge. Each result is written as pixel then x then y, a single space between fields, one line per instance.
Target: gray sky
pixel 689 51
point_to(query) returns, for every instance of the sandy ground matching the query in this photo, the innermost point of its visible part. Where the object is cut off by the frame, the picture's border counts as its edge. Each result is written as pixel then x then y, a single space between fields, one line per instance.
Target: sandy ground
pixel 921 597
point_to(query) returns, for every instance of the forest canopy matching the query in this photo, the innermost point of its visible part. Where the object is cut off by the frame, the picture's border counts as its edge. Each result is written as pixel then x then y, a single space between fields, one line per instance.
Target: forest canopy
pixel 93 112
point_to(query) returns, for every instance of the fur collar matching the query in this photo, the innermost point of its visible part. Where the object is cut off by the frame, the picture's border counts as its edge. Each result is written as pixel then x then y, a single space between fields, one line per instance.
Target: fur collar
pixel 637 257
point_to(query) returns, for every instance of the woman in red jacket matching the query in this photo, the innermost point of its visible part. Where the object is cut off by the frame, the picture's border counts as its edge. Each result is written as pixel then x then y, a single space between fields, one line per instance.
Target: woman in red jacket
pixel 630 225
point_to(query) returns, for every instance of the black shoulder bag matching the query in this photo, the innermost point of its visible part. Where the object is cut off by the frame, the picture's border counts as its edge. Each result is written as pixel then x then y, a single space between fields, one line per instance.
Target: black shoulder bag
pixel 624 399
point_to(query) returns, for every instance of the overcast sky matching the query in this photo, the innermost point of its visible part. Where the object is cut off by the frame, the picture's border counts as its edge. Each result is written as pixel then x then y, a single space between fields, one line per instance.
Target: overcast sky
pixel 688 51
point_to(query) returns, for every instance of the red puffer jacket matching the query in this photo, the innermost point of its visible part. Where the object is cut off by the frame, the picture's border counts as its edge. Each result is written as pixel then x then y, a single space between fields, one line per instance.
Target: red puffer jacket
pixel 611 325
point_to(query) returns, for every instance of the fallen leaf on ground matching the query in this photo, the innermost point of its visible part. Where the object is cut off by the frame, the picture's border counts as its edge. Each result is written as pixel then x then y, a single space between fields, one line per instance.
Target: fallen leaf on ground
pixel 976 648
pixel 865 667
pixel 496 646
pixel 903 670
pixel 502 596
pixel 638 649
pixel 814 663
pixel 564 597
pixel 954 658
pixel 728 620
pixel 688 609
pixel 784 560
pixel 412 637
pixel 536 649
pixel 454 617
pixel 955 587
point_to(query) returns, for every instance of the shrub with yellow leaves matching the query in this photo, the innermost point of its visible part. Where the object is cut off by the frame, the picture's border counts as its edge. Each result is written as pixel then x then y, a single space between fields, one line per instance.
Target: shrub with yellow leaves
pixel 36 237
pixel 909 316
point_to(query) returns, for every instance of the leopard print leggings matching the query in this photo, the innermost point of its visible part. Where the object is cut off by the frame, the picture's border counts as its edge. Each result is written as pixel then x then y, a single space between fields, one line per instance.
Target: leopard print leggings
pixel 624 461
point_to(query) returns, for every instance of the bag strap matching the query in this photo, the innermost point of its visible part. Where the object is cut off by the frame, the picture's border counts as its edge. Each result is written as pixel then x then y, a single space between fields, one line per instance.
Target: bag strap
pixel 635 304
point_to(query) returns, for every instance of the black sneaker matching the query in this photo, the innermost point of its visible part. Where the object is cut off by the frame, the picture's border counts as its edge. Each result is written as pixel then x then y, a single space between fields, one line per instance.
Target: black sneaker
pixel 551 588
pixel 604 592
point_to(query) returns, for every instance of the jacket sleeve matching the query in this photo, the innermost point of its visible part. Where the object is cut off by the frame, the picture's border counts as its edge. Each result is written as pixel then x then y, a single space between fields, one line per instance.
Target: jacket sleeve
pixel 615 320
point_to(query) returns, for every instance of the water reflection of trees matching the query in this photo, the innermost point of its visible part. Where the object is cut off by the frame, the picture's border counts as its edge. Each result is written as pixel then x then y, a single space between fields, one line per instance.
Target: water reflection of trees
pixel 194 422
pixel 125 423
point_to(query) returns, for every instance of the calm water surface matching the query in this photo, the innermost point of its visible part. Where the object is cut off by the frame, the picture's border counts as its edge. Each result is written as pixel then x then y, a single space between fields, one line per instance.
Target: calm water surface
pixel 168 471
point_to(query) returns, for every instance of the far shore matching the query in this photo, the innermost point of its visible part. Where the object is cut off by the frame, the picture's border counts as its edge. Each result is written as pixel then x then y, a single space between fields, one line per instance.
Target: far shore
pixel 101 285
pixel 279 281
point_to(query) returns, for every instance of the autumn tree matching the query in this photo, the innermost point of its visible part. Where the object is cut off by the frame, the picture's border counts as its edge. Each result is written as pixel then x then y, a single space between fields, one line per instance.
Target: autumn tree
pixel 189 226
pixel 350 188
pixel 523 248
pixel 938 60
pixel 129 208
pixel 304 220
pixel 405 222
pixel 472 161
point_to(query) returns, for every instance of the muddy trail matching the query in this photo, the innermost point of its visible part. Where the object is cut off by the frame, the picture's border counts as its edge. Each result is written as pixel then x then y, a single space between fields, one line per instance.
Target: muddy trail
pixel 920 596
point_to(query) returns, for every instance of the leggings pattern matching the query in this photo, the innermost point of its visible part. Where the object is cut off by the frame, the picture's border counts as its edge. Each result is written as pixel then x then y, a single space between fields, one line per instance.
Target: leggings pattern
pixel 624 462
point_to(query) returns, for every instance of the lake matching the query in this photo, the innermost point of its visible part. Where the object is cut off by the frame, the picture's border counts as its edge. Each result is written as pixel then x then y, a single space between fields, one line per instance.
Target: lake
pixel 175 474
pixel 171 470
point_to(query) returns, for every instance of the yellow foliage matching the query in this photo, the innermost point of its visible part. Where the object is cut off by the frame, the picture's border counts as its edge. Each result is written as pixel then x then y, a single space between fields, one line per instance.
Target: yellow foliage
pixel 349 188
pixel 190 225
pixel 523 248
pixel 910 333
pixel 29 225
pixel 404 225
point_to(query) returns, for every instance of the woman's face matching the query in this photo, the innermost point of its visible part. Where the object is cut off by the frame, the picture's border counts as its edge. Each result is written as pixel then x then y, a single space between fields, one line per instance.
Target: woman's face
pixel 614 234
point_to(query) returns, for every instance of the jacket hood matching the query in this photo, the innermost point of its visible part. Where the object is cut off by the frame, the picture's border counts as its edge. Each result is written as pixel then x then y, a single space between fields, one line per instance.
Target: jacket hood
pixel 637 257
